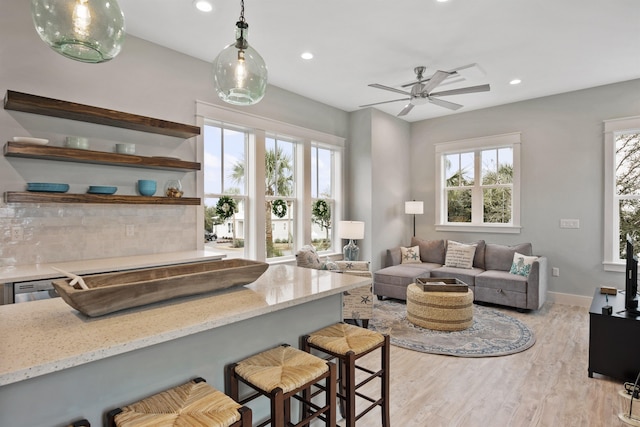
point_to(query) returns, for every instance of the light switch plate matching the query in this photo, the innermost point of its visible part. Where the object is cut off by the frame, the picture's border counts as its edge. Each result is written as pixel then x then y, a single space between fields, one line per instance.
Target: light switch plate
pixel 569 223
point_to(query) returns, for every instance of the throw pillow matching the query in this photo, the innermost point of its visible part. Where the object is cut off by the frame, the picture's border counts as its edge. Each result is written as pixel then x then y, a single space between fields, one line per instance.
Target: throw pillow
pixel 308 257
pixel 522 264
pixel 459 255
pixel 410 255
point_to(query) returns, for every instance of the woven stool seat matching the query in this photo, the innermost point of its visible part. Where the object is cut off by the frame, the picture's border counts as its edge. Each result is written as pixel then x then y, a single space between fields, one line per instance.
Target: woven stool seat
pixel 342 338
pixel 191 404
pixel 282 374
pixel 284 367
pixel 441 311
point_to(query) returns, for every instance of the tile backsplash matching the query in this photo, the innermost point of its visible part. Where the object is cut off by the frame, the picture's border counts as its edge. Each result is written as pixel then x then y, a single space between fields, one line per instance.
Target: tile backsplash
pixel 33 234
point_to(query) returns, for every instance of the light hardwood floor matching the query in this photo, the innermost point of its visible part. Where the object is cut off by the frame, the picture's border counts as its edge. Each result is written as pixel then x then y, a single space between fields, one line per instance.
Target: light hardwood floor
pixel 546 385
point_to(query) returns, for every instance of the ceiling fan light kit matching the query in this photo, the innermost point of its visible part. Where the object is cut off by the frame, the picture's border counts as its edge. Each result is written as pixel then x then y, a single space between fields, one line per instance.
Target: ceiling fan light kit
pixel 422 90
pixel 239 72
pixel 90 31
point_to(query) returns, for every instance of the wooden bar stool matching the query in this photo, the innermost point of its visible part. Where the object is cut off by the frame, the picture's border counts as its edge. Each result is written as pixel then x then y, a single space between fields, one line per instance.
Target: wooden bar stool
pixel 194 403
pixel 348 343
pixel 280 374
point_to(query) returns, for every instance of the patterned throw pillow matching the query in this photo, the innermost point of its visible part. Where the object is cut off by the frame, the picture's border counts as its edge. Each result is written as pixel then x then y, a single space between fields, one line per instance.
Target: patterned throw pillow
pixel 410 255
pixel 459 255
pixel 522 264
pixel 308 257
pixel 353 265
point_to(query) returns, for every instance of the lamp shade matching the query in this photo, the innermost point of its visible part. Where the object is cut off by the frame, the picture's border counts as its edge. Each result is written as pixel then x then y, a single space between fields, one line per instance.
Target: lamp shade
pixel 413 207
pixel 352 230
pixel 85 30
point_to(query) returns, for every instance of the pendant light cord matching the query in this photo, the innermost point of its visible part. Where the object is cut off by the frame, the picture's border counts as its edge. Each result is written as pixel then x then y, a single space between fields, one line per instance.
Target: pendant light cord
pixel 242 11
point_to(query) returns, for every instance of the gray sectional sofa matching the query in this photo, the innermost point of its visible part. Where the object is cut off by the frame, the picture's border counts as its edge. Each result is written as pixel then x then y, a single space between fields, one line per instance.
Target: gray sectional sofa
pixel 489 275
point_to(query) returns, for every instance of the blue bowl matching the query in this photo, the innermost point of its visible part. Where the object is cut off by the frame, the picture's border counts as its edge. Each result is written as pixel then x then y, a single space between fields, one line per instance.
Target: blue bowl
pixel 146 187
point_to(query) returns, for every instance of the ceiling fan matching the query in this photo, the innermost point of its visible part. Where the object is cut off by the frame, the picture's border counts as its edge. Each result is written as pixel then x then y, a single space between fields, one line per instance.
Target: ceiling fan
pixel 421 91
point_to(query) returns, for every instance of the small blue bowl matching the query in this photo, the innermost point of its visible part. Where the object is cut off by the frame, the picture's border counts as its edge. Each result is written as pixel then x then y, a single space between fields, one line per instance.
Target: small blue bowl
pixel 146 187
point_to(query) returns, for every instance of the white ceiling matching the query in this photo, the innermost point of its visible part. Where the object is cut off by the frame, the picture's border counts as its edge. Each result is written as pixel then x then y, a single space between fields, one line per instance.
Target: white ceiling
pixel 554 46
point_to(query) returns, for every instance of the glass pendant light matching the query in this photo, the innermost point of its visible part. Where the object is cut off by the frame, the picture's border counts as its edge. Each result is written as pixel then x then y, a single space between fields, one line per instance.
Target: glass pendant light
pixel 84 30
pixel 239 72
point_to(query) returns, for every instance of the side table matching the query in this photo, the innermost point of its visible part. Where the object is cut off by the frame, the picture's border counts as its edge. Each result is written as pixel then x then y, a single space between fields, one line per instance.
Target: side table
pixel 614 340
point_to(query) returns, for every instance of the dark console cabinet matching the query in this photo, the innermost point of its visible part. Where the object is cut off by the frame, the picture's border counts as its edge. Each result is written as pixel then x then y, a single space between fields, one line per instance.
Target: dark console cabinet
pixel 614 340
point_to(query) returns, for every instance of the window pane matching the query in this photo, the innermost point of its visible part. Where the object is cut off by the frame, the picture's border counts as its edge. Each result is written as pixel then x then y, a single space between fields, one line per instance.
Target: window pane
pixel 497 166
pixel 467 168
pixel 321 230
pixel 234 162
pixel 497 205
pixel 459 205
pixel 224 235
pixel 321 172
pixel 212 160
pixel 279 168
pixel 452 170
pixel 279 227
pixel 628 163
pixel 629 220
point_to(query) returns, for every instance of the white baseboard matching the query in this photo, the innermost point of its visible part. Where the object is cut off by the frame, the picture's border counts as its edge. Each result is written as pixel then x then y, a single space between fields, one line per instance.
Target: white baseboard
pixel 569 299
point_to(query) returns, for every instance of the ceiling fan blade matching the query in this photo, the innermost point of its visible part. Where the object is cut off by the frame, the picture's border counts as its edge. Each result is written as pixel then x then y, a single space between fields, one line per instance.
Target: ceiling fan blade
pixel 405 110
pixel 445 104
pixel 385 102
pixel 392 89
pixel 470 89
pixel 437 78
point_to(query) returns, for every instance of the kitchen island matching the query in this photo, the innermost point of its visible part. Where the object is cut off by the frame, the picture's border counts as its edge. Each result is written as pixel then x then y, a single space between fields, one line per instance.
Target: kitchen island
pixel 57 365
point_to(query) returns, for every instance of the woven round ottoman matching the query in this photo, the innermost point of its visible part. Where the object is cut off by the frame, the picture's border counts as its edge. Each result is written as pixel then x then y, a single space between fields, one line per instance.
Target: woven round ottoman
pixel 441 311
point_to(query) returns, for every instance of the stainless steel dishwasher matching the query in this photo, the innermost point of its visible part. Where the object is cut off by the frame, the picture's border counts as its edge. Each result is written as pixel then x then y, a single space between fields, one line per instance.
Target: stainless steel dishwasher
pixel 29 290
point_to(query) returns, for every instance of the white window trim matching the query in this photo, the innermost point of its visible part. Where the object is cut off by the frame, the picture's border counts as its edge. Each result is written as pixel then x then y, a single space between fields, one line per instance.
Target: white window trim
pixel 612 261
pixel 486 142
pixel 261 125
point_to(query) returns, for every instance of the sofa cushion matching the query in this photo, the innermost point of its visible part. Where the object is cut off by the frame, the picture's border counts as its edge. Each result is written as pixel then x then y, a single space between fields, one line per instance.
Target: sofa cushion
pixel 430 250
pixel 307 257
pixel 459 255
pixel 478 259
pixel 410 255
pixel 503 280
pixel 500 257
pixel 467 275
pixel 403 274
pixel 522 264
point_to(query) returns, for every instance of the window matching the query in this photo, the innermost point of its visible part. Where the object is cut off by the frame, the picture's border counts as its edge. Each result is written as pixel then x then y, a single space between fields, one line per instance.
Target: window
pixel 280 196
pixel 479 184
pixel 622 188
pixel 274 172
pixel 225 151
pixel 322 193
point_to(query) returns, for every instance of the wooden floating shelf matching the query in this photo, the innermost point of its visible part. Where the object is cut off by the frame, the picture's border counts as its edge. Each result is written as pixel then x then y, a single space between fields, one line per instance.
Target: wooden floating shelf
pixel 46 152
pixel 18 101
pixel 37 197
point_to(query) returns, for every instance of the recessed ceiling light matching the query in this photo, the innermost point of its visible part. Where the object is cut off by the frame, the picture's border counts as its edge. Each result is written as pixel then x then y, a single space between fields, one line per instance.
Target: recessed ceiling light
pixel 203 5
pixel 515 82
pixel 307 55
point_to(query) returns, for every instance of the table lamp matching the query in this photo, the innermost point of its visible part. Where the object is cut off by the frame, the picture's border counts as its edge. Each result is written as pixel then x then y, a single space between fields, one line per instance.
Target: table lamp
pixel 352 230
pixel 415 208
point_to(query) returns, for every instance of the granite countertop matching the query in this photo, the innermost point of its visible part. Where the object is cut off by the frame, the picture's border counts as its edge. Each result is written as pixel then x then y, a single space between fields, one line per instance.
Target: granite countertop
pixel 20 273
pixel 45 336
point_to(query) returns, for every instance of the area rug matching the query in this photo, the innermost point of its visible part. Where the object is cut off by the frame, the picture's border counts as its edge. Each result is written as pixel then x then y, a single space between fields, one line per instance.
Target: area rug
pixel 493 333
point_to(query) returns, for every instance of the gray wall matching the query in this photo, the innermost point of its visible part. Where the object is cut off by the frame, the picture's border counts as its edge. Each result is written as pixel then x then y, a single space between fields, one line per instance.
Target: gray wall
pixel 144 79
pixel 562 175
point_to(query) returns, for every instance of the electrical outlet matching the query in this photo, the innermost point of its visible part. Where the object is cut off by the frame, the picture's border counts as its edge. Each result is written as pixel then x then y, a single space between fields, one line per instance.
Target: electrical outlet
pixel 569 223
pixel 17 234
pixel 555 272
pixel 130 230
